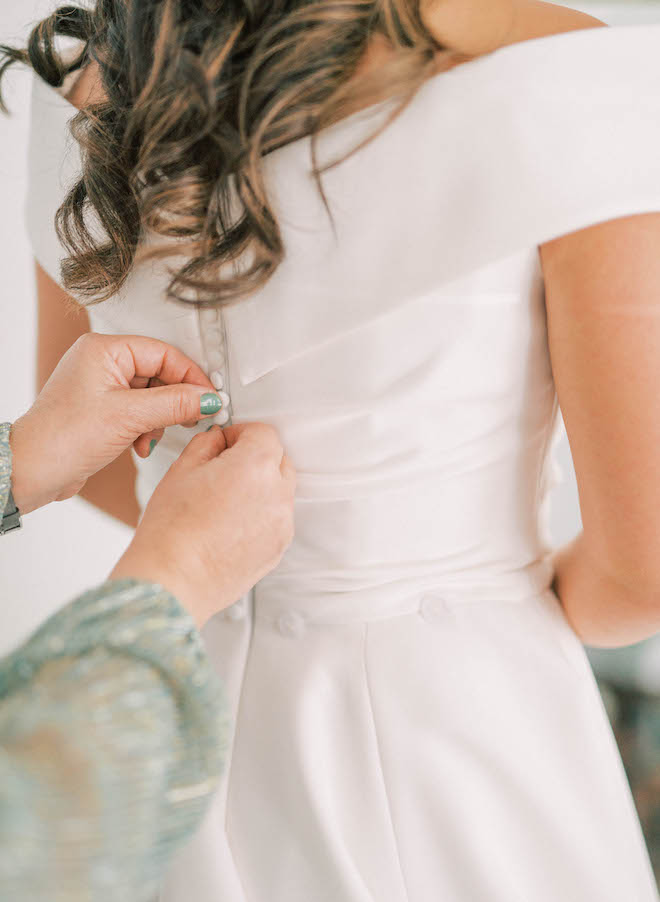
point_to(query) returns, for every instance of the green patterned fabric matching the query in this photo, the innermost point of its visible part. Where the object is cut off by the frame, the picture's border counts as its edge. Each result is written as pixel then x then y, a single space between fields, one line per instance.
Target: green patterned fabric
pixel 5 465
pixel 113 736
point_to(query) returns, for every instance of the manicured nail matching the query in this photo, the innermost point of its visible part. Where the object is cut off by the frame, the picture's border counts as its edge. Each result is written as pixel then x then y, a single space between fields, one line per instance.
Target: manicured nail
pixel 210 427
pixel 210 404
pixel 152 445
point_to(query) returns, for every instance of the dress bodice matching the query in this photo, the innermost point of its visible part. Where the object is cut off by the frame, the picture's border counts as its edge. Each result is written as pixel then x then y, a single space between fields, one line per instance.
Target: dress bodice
pixel 403 357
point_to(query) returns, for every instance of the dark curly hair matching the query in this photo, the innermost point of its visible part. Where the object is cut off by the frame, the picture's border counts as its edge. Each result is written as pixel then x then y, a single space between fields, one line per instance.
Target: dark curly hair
pixel 196 92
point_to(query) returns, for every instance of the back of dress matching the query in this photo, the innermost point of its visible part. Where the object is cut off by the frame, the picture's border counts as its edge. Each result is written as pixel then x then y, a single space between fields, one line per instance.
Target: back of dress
pixel 414 718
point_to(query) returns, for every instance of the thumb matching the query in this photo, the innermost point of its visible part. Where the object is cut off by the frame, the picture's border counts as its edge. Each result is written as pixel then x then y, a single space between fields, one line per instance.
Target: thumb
pixel 171 405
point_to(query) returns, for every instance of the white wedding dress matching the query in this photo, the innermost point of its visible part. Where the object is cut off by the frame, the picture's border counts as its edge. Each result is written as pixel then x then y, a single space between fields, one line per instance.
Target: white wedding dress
pixel 414 719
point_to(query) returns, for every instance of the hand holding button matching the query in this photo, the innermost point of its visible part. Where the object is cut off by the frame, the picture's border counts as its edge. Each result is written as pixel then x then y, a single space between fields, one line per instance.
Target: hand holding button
pixel 107 393
pixel 219 521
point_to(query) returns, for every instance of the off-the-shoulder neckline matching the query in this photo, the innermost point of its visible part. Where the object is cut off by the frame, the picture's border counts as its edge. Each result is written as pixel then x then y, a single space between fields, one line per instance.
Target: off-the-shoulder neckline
pixel 485 61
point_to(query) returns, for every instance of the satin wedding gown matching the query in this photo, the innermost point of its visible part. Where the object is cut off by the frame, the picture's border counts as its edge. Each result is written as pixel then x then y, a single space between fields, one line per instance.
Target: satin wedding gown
pixel 414 720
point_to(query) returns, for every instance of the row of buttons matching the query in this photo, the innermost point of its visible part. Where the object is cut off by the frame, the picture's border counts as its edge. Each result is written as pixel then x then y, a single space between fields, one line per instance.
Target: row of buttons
pixel 292 623
pixel 235 611
pixel 214 339
pixel 218 384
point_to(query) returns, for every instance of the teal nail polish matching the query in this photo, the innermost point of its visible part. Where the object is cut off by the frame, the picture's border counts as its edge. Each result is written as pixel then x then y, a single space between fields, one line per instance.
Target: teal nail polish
pixel 210 427
pixel 152 445
pixel 210 404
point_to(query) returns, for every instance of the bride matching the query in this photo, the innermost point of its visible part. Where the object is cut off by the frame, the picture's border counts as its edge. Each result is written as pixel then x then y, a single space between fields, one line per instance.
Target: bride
pixel 407 234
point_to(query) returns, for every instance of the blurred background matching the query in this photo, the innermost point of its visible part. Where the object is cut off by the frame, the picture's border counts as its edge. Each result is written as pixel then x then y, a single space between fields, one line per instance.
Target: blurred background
pixel 72 546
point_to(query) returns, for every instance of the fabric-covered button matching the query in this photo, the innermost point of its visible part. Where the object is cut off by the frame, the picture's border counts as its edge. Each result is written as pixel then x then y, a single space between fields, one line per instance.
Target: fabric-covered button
pixel 221 418
pixel 217 380
pixel 235 611
pixel 291 624
pixel 210 316
pixel 432 607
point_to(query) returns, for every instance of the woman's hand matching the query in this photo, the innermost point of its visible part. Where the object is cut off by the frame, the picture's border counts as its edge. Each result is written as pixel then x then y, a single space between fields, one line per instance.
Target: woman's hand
pixel 220 520
pixel 107 393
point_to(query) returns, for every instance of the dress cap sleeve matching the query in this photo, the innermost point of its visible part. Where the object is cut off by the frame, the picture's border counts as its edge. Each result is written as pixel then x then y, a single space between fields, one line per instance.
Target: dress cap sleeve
pixel 502 153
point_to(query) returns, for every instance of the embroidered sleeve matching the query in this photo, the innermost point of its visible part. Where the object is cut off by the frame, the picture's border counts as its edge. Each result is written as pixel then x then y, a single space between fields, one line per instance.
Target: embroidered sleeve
pixel 5 465
pixel 113 736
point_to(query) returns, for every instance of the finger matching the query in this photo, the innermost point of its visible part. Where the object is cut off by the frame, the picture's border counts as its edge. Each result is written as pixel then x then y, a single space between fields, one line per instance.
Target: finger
pixel 225 401
pixel 142 358
pixel 203 448
pixel 154 382
pixel 145 382
pixel 150 409
pixel 145 444
pixel 257 437
pixel 234 431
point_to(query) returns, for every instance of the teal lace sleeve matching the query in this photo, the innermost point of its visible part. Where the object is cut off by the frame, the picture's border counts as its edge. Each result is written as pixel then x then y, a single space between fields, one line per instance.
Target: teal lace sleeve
pixel 5 465
pixel 113 736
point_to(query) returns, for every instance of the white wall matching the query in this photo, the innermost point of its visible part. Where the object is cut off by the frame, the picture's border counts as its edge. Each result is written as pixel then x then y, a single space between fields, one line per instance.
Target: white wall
pixel 70 546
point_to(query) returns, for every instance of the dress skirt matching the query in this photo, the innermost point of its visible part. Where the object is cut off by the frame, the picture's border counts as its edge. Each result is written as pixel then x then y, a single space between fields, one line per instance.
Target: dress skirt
pixel 436 747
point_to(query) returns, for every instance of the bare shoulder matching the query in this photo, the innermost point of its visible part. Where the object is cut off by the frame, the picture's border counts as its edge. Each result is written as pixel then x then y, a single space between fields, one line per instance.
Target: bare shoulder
pixel 86 88
pixel 536 18
pixel 475 27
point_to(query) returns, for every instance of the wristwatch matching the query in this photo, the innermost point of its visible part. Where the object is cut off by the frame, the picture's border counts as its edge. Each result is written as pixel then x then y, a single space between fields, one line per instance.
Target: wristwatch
pixel 11 518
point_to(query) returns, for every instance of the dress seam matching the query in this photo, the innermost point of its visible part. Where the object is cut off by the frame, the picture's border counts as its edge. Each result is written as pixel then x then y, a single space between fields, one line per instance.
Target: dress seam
pixel 545 460
pixel 380 761
pixel 543 456
pixel 201 336
pixel 227 358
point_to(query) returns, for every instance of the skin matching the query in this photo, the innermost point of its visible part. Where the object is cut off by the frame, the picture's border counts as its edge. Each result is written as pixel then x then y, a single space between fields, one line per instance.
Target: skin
pixel 112 393
pixel 603 310
pixel 232 493
pixel 221 518
pixel 602 289
pixel 475 27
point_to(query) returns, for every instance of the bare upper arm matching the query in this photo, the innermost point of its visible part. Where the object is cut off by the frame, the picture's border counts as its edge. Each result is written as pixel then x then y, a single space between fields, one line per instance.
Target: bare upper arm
pixel 60 323
pixel 603 310
pixel 60 320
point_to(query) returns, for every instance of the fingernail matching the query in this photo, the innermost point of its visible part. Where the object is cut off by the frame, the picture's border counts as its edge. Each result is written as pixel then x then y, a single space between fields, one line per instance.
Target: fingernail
pixel 210 404
pixel 210 427
pixel 152 445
